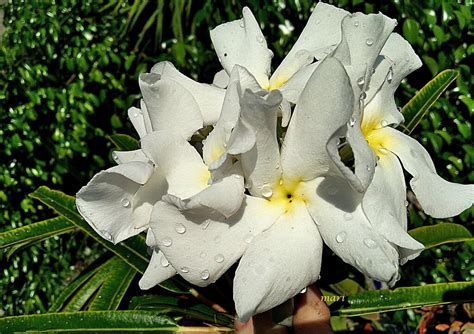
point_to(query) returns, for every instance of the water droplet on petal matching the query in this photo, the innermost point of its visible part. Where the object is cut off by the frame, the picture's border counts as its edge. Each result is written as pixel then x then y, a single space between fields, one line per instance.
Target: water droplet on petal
pixel 164 262
pixel 125 202
pixel 180 228
pixel 248 238
pixel 304 290
pixel 242 23
pixel 167 242
pixel 363 96
pixel 361 81
pixel 260 39
pixel 219 258
pixel 352 121
pixel 302 54
pixel 347 216
pixel 107 235
pixel 369 42
pixel 390 75
pixel 384 123
pixel 370 243
pixel 184 269
pixel 206 224
pixel 340 237
pixel 205 274
pixel 318 21
pixel 356 24
pixel 203 254
pixel 413 154
pixel 134 113
pixel 406 203
pixel 332 190
pixel 267 191
pixel 115 157
pixel 369 168
pixel 270 53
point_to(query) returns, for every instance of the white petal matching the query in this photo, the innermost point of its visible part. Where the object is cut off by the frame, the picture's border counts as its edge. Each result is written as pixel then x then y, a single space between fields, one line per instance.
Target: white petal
pixel 438 197
pixel 384 205
pixel 122 157
pixel 261 164
pixel 224 197
pixel 324 107
pixel 209 98
pixel 107 202
pixel 136 117
pixel 180 162
pixel 159 270
pixel 278 264
pixel 214 146
pixel 170 106
pixel 336 208
pixel 146 117
pixel 321 32
pixel 201 244
pixel 398 60
pixel 221 79
pixel 241 42
pixel 293 88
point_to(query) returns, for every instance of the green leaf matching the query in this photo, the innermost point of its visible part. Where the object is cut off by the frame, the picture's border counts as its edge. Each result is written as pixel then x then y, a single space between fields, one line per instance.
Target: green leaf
pixel 118 279
pixel 418 106
pixel 70 289
pixel 167 304
pixel 124 142
pixel 32 233
pixel 434 235
pixel 407 297
pixel 411 30
pixel 97 321
pixel 132 251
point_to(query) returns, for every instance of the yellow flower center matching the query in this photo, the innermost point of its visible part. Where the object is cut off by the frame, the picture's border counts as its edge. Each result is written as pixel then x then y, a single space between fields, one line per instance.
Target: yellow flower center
pixel 287 195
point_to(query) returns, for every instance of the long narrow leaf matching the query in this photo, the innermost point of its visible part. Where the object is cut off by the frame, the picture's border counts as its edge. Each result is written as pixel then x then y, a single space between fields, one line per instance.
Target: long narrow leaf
pixel 116 284
pixel 408 297
pixel 435 235
pixel 132 251
pixel 418 106
pixel 124 142
pixel 70 290
pixel 35 232
pixel 98 321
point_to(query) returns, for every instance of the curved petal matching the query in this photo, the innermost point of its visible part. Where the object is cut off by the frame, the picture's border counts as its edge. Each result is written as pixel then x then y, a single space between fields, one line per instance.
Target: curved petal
pixel 398 60
pixel 384 205
pixel 323 109
pixel 278 264
pixel 209 98
pixel 260 164
pixel 136 117
pixel 214 146
pixel 122 157
pixel 293 88
pixel 438 197
pixel 322 31
pixel 170 106
pixel 336 208
pixel 241 42
pixel 221 79
pixel 158 270
pixel 107 202
pixel 201 244
pixel 180 162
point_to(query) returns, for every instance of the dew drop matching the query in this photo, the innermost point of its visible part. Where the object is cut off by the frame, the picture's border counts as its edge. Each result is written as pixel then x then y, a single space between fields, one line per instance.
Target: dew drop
pixel 164 262
pixel 390 75
pixel 219 258
pixel 413 154
pixel 270 53
pixel 303 291
pixel 260 39
pixel 368 168
pixel 363 96
pixel 361 81
pixel 267 191
pixel 206 224
pixel 115 157
pixel 318 21
pixel 406 203
pixel 340 237
pixel 384 123
pixel 167 242
pixel 370 243
pixel 302 54
pixel 248 238
pixel 180 228
pixel 134 113
pixel 184 269
pixel 332 190
pixel 352 121
pixel 125 202
pixel 347 216
pixel 369 42
pixel 205 274
pixel 242 23
pixel 203 254
pixel 107 235
pixel 356 24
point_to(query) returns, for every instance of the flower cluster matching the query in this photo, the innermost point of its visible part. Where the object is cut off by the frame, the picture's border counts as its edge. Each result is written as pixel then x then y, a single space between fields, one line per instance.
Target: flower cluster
pixel 243 196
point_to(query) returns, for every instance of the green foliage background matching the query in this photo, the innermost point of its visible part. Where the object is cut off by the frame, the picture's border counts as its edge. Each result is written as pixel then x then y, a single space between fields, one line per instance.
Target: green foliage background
pixel 69 72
